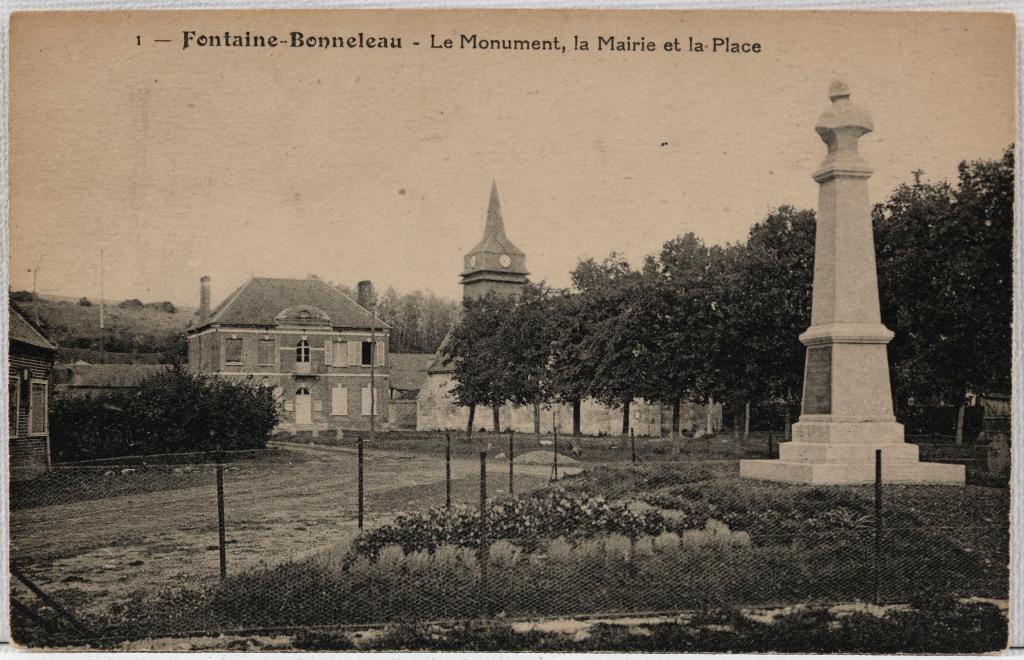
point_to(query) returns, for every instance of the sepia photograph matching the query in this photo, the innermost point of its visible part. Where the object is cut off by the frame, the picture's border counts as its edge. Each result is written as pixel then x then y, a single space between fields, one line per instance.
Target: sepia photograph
pixel 510 330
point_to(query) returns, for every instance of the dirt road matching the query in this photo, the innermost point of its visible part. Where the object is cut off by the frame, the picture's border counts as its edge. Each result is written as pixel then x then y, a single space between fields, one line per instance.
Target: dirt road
pixel 96 551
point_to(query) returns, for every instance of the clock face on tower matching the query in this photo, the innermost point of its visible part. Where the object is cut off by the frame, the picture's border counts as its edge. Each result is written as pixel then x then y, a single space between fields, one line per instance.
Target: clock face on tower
pixel 505 261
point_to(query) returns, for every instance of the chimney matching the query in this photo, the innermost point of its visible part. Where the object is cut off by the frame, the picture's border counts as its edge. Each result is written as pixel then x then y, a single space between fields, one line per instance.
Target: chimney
pixel 204 296
pixel 364 294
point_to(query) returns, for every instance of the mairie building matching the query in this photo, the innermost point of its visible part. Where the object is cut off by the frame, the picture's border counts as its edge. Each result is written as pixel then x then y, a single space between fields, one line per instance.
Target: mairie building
pixel 315 346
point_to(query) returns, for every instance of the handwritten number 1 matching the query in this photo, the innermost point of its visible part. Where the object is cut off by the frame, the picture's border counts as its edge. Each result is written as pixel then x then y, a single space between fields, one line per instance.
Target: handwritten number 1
pixel 138 40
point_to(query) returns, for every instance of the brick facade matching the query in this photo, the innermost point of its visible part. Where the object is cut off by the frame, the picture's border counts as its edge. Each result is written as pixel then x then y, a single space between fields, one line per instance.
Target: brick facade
pixel 308 342
pixel 335 386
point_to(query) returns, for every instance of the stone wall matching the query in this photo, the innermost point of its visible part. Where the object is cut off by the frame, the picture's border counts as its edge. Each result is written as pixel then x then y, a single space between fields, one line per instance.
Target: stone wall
pixel 437 410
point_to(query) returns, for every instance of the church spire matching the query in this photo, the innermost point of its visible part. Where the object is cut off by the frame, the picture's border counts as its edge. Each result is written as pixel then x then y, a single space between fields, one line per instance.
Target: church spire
pixel 495 263
pixel 495 226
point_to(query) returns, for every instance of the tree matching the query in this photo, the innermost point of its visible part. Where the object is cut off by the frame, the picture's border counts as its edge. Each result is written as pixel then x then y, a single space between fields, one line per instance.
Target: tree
pixel 945 273
pixel 681 320
pixel 615 304
pixel 526 339
pixel 479 362
pixel 572 365
pixel 756 300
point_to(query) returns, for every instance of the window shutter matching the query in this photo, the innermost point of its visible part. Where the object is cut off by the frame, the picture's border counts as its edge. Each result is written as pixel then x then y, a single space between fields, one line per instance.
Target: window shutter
pixel 38 412
pixel 379 353
pixel 355 353
pixel 328 351
pixel 340 354
pixel 366 401
pixel 339 400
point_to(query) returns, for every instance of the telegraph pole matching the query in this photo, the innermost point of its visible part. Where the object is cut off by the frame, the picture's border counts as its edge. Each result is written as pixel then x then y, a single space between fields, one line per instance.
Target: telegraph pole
pixel 373 361
pixel 102 357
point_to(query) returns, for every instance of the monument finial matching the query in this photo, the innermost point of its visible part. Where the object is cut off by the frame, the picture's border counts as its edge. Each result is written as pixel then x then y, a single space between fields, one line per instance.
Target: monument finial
pixel 838 90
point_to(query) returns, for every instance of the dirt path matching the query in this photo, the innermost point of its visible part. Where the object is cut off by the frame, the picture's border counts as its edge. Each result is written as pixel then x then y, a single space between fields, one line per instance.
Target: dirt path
pixel 93 552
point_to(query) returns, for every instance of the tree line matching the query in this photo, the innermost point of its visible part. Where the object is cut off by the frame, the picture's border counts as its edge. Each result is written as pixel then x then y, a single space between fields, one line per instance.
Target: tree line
pixel 418 320
pixel 698 322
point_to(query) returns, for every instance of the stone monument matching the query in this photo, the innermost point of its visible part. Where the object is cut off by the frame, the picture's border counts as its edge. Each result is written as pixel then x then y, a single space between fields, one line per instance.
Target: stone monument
pixel 847 402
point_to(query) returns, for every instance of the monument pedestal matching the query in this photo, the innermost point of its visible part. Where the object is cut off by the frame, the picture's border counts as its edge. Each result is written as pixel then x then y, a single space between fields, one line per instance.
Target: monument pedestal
pixel 843 453
pixel 847 409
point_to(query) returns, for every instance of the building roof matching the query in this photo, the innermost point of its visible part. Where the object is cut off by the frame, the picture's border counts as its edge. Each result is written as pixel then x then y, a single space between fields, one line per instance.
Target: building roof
pixel 107 375
pixel 408 370
pixel 438 364
pixel 20 329
pixel 494 239
pixel 261 300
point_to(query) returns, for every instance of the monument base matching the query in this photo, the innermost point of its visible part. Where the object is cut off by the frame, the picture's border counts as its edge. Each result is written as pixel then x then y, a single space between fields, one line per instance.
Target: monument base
pixel 840 453
pixel 847 474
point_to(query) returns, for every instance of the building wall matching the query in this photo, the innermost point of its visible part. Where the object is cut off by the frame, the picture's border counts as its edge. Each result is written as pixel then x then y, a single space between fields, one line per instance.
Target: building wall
pixel 402 414
pixel 29 446
pixel 280 372
pixel 436 410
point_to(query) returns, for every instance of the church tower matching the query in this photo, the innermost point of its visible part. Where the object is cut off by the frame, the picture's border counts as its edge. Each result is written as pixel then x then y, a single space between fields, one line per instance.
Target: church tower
pixel 494 264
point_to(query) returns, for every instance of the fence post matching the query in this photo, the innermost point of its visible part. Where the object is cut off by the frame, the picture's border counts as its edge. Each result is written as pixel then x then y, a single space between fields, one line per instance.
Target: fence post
pixel 220 517
pixel 483 552
pixel 554 456
pixel 878 519
pixel 359 495
pixel 632 445
pixel 447 470
pixel 511 477
pixel 771 439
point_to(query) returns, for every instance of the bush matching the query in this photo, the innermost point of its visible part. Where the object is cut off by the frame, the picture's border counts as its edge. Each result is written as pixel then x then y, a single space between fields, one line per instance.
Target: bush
pixel 172 411
pixel 22 296
pixel 130 303
pixel 84 302
pixel 525 521
pixel 164 306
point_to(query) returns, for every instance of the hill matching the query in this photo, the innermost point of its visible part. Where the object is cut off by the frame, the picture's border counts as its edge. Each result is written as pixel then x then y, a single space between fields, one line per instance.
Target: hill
pixel 141 334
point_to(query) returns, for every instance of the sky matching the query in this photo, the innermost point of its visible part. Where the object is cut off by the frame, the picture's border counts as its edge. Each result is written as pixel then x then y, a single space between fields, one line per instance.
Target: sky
pixel 377 164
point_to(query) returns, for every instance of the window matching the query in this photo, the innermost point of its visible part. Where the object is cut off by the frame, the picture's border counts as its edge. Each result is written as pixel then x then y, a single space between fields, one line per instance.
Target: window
pixel 367 353
pixel 339 400
pixel 302 351
pixel 12 406
pixel 233 351
pixel 341 353
pixel 37 410
pixel 265 352
pixel 302 391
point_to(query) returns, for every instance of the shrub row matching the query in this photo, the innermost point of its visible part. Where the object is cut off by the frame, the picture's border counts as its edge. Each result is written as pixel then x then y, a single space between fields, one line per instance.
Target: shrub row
pixel 171 411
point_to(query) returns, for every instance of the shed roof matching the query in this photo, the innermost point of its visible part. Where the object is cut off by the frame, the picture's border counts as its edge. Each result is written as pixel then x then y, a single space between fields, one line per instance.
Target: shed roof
pixel 259 301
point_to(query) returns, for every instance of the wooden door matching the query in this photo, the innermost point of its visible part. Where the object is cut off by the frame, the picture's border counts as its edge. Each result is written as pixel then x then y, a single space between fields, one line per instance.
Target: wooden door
pixel 303 407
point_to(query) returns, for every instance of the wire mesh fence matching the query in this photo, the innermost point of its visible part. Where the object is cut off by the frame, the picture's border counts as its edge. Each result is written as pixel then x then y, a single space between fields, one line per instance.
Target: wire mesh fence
pixel 139 548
